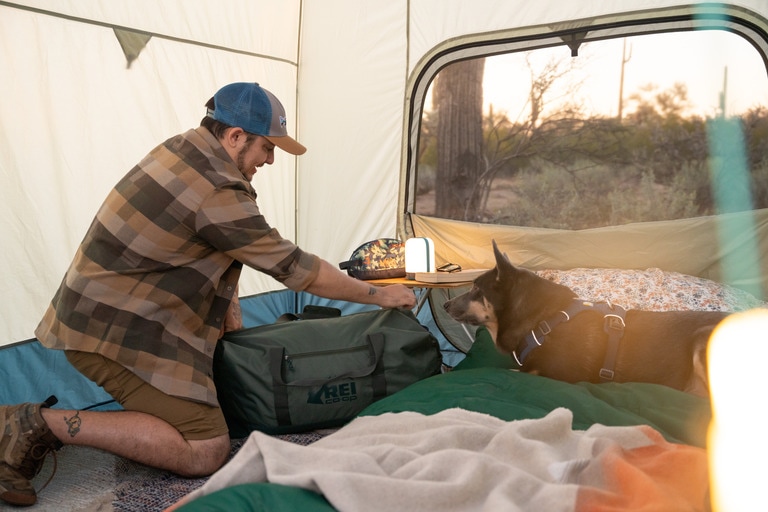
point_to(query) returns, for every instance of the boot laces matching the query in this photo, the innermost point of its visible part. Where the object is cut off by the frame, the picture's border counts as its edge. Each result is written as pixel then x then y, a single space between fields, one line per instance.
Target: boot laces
pixel 33 462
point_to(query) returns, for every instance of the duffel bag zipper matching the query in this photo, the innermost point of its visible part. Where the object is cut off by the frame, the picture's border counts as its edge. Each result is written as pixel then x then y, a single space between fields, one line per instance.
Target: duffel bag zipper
pixel 289 357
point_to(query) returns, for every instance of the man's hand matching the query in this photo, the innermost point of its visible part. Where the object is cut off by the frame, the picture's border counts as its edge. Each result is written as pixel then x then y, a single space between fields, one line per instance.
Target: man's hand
pixel 394 296
pixel 334 284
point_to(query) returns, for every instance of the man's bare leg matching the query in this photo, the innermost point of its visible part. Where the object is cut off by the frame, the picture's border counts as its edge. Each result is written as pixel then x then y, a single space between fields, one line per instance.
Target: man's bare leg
pixel 140 437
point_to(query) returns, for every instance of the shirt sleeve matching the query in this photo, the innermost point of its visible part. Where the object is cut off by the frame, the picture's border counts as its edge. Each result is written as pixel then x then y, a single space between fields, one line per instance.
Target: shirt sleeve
pixel 230 221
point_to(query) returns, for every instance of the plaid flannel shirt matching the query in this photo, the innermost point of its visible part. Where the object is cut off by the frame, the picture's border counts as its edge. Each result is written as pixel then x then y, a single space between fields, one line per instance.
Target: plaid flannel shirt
pixel 152 280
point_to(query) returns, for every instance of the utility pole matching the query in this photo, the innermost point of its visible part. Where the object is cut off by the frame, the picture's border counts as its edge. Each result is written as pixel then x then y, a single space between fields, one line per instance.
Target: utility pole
pixel 724 92
pixel 624 59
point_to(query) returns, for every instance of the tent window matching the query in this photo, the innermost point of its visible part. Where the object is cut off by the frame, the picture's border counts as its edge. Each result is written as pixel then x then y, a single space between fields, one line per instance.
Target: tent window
pixel 632 129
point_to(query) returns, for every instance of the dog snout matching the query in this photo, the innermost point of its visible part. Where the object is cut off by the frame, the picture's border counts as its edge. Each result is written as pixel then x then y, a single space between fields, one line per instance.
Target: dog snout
pixel 455 308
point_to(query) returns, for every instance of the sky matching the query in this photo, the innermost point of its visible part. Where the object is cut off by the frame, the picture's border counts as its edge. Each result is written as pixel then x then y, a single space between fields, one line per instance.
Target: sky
pixel 699 59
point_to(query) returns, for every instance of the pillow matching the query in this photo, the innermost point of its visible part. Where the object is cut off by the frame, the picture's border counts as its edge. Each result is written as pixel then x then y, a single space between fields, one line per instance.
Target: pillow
pixel 483 354
pixel 652 289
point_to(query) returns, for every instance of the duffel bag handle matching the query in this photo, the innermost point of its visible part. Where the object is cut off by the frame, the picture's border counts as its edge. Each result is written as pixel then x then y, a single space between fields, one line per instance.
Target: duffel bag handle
pixel 277 356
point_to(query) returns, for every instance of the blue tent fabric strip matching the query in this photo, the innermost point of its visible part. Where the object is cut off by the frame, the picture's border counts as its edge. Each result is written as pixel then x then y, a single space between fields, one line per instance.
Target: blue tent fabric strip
pixel 37 372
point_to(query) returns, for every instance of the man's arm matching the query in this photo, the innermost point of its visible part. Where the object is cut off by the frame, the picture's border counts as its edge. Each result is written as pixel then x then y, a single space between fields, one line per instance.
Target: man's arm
pixel 334 284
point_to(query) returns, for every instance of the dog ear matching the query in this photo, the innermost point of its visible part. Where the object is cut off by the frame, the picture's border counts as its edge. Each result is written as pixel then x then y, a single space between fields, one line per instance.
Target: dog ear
pixel 502 260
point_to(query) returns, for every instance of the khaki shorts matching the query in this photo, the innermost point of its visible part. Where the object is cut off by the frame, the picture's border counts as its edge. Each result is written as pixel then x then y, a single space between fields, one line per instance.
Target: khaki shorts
pixel 194 420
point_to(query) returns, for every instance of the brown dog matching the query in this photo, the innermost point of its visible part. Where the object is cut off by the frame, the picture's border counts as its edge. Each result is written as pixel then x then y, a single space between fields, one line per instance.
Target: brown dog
pixel 554 334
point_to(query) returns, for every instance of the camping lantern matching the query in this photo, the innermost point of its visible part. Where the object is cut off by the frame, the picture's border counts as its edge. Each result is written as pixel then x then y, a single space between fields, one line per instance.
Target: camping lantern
pixel 419 256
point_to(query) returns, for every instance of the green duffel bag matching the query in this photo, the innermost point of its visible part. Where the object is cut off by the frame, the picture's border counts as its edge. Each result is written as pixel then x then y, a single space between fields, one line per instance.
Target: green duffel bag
pixel 318 373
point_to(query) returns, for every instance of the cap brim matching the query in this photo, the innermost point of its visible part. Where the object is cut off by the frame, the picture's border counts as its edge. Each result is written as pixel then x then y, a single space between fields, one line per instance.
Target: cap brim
pixel 288 144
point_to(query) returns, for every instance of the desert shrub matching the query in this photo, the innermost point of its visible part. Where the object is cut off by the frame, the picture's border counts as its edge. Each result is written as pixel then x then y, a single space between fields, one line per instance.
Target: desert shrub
pixel 554 198
pixel 601 196
pixel 649 201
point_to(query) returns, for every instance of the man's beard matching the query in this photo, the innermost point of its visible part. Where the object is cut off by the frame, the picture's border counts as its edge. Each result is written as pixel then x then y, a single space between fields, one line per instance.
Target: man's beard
pixel 241 157
pixel 241 164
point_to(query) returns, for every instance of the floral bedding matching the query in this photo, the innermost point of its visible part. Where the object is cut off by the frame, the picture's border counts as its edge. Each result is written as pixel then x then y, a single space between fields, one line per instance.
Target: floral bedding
pixel 652 289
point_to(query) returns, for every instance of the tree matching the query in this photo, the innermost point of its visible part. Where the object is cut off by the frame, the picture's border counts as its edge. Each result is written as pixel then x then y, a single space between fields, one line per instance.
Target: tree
pixel 470 152
pixel 553 132
pixel 458 101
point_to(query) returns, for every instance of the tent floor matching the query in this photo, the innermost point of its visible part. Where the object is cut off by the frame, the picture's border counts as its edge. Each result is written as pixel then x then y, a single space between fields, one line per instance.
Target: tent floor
pixel 90 480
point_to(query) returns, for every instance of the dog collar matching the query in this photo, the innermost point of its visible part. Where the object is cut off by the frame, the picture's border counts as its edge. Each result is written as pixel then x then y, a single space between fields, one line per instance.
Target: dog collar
pixel 613 325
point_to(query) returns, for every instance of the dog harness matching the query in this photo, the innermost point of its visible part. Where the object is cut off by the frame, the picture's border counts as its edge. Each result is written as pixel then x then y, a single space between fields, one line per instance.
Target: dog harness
pixel 613 325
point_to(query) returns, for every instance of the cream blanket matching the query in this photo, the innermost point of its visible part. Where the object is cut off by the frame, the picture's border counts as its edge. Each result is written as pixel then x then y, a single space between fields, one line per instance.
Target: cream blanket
pixel 459 460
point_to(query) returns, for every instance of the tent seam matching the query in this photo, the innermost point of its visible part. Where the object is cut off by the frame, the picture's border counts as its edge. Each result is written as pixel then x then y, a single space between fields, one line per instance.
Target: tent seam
pixel 144 32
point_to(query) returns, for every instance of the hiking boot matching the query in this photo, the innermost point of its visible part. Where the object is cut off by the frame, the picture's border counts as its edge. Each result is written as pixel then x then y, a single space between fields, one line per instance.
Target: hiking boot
pixel 26 440
pixel 14 488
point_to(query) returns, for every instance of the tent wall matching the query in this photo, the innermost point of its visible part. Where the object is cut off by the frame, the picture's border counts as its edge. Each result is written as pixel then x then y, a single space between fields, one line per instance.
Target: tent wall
pixel 351 82
pixel 75 118
pixel 716 248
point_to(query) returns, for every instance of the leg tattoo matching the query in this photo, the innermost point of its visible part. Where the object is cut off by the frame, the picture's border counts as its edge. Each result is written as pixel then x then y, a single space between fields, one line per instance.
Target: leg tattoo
pixel 73 424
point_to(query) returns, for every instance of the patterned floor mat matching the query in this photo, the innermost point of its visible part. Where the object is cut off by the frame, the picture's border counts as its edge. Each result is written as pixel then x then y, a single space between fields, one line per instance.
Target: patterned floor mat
pixel 86 479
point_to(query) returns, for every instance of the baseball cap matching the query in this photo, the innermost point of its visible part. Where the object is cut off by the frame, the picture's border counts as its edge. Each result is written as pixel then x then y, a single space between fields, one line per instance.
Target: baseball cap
pixel 256 110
